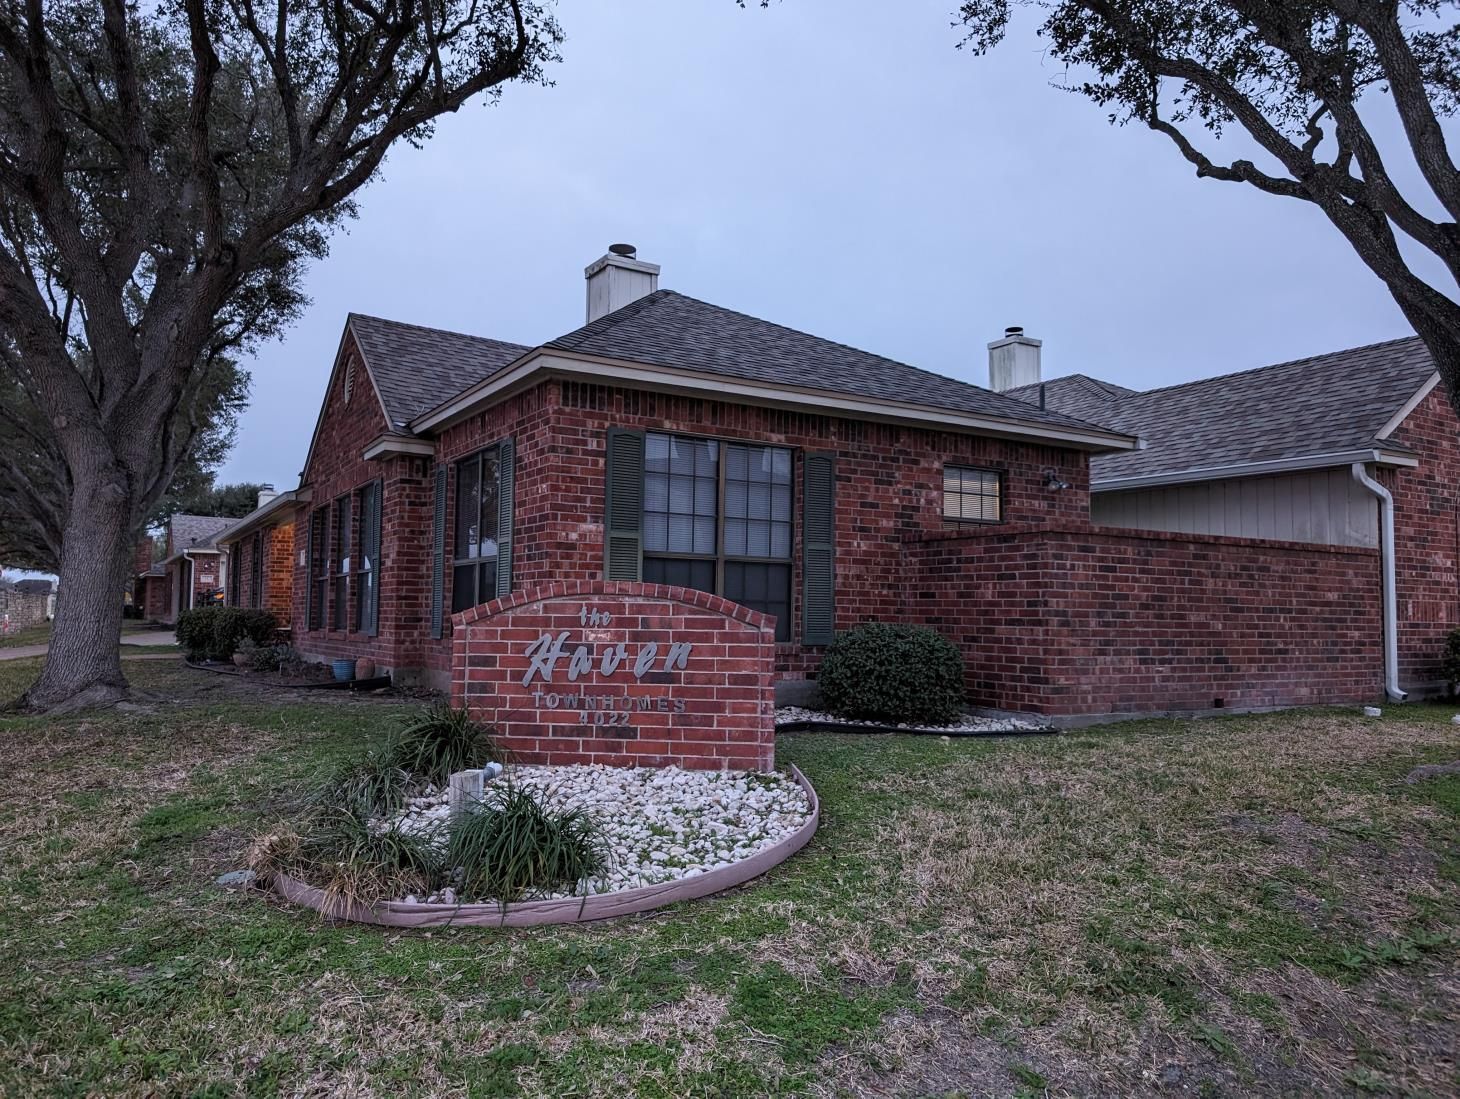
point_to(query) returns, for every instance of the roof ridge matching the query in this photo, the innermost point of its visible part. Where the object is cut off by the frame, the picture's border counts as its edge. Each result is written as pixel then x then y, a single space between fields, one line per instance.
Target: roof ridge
pixel 611 320
pixel 1274 366
pixel 352 316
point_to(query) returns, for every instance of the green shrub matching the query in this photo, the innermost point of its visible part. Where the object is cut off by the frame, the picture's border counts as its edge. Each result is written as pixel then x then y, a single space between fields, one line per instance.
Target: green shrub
pixel 515 844
pixel 213 633
pixel 893 673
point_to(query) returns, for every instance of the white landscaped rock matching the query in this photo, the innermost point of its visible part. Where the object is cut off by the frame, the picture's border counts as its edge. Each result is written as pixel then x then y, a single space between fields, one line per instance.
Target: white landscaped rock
pixel 658 824
pixel 791 715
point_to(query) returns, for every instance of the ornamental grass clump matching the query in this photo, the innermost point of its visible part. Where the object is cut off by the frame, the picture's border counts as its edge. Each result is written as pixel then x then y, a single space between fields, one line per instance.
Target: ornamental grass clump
pixel 356 860
pixel 893 673
pixel 514 844
pixel 440 742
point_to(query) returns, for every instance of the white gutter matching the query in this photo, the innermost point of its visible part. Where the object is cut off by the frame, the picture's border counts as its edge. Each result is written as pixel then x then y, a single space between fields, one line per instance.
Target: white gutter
pixel 1386 568
pixel 1256 469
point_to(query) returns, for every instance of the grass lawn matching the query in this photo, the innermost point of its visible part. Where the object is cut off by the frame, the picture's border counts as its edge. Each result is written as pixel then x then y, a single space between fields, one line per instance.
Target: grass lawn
pixel 1249 905
pixel 39 634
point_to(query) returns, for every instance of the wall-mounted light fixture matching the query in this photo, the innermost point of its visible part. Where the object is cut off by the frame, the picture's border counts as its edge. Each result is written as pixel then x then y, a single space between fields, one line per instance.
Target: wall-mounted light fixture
pixel 1052 481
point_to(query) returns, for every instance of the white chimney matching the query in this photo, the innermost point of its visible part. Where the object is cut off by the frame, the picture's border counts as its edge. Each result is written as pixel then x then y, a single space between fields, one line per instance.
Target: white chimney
pixel 1013 361
pixel 617 279
pixel 266 493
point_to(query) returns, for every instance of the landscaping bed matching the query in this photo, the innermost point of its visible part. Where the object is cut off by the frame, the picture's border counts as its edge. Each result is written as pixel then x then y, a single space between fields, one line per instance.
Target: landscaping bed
pixel 315 677
pixel 431 825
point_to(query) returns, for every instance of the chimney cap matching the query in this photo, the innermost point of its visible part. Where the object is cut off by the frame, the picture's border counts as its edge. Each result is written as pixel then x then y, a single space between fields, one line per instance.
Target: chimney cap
pixel 628 251
pixel 1014 330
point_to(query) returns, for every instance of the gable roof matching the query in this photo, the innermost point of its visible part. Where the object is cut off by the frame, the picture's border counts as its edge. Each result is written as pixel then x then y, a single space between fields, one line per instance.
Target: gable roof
pixel 416 368
pixel 195 531
pixel 33 585
pixel 668 329
pixel 1331 404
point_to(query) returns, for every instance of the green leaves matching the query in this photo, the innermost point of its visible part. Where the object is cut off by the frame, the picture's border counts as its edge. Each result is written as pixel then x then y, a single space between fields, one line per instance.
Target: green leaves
pixel 893 673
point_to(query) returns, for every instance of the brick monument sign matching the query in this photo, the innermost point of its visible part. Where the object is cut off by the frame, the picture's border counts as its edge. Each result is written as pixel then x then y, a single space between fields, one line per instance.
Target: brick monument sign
pixel 631 674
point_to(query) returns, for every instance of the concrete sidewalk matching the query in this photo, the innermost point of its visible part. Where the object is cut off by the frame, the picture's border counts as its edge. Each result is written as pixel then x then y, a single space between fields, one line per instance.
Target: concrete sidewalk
pixel 151 637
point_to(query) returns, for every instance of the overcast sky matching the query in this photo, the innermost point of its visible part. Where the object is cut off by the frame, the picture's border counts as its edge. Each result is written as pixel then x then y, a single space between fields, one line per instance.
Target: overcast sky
pixel 838 167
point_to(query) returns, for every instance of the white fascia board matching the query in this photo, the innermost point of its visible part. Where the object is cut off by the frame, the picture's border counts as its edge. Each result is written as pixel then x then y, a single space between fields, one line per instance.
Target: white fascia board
pixel 385 445
pixel 1409 406
pixel 1256 469
pixel 611 371
pixel 285 501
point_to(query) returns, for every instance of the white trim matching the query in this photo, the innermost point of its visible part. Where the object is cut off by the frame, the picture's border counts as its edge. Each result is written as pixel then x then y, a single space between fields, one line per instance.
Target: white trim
pixel 596 370
pixel 1256 469
pixel 282 502
pixel 1409 406
pixel 384 445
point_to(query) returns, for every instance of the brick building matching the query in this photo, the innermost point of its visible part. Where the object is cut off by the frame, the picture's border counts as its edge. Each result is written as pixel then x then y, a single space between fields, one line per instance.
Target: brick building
pixel 180 570
pixel 258 553
pixel 678 443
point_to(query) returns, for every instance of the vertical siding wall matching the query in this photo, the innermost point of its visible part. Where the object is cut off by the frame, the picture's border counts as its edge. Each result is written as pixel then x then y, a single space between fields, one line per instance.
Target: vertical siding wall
pixel 1080 621
pixel 1326 506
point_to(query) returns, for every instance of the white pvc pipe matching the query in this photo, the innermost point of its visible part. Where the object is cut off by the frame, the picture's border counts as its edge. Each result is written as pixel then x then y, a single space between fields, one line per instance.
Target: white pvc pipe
pixel 1386 569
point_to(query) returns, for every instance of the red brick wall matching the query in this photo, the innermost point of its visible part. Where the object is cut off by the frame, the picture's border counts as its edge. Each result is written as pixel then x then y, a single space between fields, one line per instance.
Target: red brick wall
pixel 276 593
pixel 336 468
pixel 630 703
pixel 156 600
pixel 1427 540
pixel 1068 621
pixel 889 481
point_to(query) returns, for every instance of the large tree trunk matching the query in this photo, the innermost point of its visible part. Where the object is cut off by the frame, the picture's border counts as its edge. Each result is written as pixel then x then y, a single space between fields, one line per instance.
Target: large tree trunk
pixel 83 666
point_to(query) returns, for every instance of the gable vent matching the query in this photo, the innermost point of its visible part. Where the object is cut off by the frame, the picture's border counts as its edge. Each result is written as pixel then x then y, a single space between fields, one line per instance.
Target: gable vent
pixel 349 378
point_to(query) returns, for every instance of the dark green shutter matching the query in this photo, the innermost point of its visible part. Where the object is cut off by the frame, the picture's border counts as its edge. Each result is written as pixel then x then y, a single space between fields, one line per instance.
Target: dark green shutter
pixel 438 552
pixel 372 547
pixel 309 572
pixel 505 479
pixel 818 549
pixel 623 506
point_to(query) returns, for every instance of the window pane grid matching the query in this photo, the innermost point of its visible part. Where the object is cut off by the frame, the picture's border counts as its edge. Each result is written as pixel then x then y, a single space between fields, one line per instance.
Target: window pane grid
pixel 718 518
pixel 474 542
pixel 972 494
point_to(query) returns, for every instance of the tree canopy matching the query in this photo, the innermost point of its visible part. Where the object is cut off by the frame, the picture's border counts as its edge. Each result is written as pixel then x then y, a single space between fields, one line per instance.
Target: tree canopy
pixel 167 171
pixel 1304 81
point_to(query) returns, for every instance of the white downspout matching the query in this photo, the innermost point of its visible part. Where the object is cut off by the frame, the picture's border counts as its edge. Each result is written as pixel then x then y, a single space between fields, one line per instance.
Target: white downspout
pixel 1386 568
pixel 192 580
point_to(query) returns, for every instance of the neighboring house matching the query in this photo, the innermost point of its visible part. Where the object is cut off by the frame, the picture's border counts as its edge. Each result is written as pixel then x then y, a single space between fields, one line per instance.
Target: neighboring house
pixel 673 441
pixel 26 603
pixel 259 552
pixel 1306 451
pixel 189 572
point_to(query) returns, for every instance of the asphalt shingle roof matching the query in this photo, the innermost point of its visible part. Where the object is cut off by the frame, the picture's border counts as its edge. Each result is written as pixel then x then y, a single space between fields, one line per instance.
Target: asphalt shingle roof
pixel 418 368
pixel 1074 395
pixel 1321 405
pixel 669 329
pixel 196 531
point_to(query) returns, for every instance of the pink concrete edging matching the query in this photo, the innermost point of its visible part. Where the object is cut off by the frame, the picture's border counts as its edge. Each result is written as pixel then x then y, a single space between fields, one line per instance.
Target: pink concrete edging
pixel 598 906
